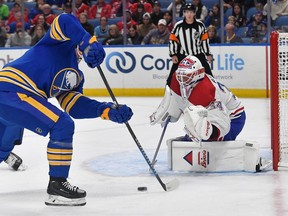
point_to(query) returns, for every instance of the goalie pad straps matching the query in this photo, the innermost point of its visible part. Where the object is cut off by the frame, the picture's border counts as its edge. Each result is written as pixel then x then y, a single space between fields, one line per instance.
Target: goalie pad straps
pixel 196 122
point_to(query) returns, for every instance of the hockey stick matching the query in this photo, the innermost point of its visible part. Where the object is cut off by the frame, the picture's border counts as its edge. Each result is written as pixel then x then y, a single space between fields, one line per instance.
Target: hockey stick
pixel 160 141
pixel 168 186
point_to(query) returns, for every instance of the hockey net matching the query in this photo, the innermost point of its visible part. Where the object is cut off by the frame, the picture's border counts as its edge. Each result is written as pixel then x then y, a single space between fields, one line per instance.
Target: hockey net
pixel 279 98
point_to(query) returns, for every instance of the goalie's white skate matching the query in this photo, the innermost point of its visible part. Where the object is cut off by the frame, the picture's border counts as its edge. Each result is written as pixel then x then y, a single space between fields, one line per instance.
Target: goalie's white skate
pixel 264 164
pixel 15 162
pixel 62 193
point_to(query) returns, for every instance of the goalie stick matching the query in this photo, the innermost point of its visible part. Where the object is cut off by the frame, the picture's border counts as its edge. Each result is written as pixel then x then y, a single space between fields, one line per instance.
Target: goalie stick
pixel 173 184
pixel 160 141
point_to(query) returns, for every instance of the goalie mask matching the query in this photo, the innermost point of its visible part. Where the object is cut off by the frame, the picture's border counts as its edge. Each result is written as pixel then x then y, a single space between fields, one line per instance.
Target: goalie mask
pixel 190 71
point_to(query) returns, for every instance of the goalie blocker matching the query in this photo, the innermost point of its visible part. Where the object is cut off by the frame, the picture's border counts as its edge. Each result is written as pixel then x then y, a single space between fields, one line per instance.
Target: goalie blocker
pixel 226 156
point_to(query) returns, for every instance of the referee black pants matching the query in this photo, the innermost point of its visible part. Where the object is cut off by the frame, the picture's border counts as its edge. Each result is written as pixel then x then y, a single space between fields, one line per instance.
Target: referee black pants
pixel 202 59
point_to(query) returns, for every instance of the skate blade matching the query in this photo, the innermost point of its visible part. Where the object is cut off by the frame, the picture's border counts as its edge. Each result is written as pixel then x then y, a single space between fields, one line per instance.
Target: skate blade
pixel 54 200
pixel 22 167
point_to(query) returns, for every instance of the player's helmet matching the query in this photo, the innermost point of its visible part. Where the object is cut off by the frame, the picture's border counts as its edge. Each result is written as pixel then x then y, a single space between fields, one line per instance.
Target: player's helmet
pixel 190 71
pixel 189 6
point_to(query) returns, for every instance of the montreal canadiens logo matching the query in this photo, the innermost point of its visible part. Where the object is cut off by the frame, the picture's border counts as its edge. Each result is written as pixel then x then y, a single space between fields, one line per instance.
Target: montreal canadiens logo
pixel 186 63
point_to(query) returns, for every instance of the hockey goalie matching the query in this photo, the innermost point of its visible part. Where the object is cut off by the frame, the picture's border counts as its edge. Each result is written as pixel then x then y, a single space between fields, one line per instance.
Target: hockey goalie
pixel 213 118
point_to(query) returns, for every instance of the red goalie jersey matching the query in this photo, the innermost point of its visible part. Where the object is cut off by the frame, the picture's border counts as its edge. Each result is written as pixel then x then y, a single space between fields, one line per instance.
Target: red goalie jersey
pixel 190 86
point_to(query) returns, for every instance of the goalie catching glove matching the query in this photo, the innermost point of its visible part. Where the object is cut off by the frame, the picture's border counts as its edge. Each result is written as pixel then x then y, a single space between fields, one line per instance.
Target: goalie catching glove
pixel 119 114
pixel 92 51
pixel 196 122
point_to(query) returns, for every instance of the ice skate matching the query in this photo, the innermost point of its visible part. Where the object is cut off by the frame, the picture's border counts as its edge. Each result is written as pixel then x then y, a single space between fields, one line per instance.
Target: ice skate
pixel 15 162
pixel 263 164
pixel 62 193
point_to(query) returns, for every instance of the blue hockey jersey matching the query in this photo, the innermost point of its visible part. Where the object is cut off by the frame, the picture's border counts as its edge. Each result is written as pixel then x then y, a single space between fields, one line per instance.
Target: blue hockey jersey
pixel 50 69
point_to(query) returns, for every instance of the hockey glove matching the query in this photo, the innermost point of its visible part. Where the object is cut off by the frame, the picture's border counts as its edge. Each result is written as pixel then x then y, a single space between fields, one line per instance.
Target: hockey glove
pixel 93 51
pixel 196 122
pixel 120 114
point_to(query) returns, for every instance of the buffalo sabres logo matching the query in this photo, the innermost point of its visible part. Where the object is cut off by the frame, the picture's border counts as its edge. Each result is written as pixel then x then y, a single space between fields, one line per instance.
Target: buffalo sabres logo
pixel 70 79
pixel 65 80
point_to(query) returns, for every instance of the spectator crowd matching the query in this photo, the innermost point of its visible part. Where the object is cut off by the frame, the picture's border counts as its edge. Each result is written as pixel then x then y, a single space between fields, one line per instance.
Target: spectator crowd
pixel 147 22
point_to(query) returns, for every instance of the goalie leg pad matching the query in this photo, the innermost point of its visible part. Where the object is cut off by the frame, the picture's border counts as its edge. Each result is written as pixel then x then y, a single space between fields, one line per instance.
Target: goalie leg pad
pixel 218 156
pixel 251 157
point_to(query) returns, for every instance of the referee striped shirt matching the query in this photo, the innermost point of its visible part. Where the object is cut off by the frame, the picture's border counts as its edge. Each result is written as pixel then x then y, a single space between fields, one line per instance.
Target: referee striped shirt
pixel 189 39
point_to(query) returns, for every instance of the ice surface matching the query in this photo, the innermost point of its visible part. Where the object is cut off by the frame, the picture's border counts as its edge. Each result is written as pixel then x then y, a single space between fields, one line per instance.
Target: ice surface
pixel 109 166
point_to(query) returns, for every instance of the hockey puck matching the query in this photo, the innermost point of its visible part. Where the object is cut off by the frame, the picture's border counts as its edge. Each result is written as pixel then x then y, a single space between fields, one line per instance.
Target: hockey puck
pixel 142 189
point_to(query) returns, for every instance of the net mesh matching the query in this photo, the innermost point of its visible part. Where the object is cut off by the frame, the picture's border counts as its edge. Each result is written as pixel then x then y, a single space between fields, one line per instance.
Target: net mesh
pixel 283 97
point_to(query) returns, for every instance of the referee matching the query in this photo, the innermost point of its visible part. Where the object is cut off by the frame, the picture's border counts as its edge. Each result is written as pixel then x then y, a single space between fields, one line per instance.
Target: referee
pixel 189 37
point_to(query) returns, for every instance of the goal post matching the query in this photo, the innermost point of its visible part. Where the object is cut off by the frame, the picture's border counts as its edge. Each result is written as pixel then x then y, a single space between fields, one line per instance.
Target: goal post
pixel 279 98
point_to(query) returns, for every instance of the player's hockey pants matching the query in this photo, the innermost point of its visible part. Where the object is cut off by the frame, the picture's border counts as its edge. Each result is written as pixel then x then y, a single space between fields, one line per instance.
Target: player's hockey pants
pixel 236 127
pixel 19 111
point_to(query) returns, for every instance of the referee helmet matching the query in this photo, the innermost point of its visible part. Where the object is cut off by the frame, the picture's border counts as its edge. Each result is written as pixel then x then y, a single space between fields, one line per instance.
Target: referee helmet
pixel 189 6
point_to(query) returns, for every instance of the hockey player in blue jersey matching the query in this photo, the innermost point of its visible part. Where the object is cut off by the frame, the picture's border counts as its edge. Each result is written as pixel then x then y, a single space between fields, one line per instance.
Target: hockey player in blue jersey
pixel 50 69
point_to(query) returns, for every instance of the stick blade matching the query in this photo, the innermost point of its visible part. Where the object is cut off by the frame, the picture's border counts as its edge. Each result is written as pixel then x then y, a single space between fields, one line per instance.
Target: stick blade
pixel 172 185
